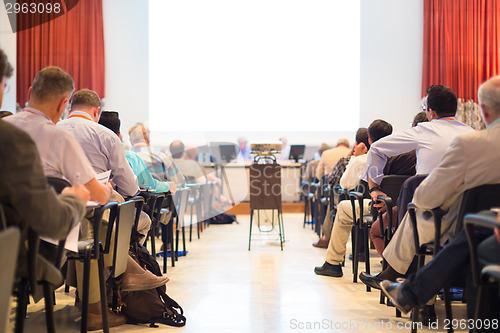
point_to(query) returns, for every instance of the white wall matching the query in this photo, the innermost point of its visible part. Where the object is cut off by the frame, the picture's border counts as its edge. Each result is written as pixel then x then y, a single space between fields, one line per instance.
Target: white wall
pixel 8 45
pixel 391 61
pixel 126 50
pixel 391 66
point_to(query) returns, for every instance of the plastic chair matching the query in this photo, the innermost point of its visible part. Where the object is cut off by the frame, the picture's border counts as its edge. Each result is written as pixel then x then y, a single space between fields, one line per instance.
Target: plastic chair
pixel 152 207
pixel 474 200
pixel 180 200
pixel 92 250
pixel 489 276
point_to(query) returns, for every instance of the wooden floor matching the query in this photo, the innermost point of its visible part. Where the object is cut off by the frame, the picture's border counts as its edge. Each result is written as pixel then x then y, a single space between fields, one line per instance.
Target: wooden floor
pixel 223 287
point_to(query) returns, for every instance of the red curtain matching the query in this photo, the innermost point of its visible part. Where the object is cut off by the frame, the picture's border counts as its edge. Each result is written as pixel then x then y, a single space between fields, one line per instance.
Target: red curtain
pixel 73 41
pixel 461 46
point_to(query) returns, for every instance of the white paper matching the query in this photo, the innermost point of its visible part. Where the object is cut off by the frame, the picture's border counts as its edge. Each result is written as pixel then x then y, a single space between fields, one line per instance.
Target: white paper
pixel 71 240
pixel 103 177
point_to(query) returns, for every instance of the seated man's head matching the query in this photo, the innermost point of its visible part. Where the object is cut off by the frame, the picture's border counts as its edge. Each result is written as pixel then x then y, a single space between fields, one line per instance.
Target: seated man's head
pixel 191 153
pixel 139 133
pixel 378 129
pixel 177 149
pixel 420 117
pixel 489 99
pixel 87 101
pixel 441 102
pixel 6 71
pixel 51 91
pixel 343 142
pixel 361 144
pixel 111 120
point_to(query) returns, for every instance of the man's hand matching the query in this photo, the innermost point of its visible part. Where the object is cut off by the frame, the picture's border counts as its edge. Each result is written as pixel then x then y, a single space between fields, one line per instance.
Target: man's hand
pixel 173 187
pixel 381 205
pixel 80 191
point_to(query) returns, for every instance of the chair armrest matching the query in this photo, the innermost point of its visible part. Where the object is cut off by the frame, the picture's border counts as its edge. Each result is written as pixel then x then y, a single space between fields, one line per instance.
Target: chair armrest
pixel 353 196
pixel 438 214
pixel 484 219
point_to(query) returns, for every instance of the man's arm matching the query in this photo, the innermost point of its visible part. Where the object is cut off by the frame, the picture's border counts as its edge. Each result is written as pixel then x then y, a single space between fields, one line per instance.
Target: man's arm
pixel 389 146
pixel 122 174
pixel 445 184
pixel 353 172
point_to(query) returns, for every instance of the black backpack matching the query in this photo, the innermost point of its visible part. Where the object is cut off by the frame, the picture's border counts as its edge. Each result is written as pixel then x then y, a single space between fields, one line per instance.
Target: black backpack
pixel 153 305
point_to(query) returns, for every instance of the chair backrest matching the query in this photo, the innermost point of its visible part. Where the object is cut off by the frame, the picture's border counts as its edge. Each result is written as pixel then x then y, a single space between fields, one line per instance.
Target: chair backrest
pixel 58 183
pixel 478 198
pixel 181 199
pixel 9 245
pixel 122 228
pixel 391 185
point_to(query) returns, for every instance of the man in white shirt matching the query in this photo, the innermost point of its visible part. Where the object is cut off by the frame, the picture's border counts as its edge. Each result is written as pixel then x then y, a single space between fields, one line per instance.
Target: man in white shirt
pixel 430 139
pixel 343 219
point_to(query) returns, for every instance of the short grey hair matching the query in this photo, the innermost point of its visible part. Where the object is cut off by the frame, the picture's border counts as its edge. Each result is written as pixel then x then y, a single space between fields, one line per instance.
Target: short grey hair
pixel 85 97
pixel 138 133
pixel 51 83
pixel 489 94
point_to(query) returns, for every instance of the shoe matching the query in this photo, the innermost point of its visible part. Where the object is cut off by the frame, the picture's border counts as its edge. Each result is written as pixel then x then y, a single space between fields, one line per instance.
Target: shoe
pixel 144 281
pixel 371 280
pixel 94 321
pixel 362 257
pixel 329 270
pixel 322 243
pixel 426 315
pixel 393 292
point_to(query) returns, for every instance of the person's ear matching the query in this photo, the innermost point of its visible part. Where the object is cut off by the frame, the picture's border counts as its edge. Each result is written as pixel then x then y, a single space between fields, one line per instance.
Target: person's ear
pixel 61 106
pixel 29 93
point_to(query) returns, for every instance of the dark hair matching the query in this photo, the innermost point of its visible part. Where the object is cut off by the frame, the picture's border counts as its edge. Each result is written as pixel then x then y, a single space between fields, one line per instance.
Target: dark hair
pixel 85 97
pixel 51 82
pixel 6 69
pixel 420 117
pixel 378 129
pixel 176 149
pixel 442 100
pixel 362 136
pixel 111 120
pixel 4 114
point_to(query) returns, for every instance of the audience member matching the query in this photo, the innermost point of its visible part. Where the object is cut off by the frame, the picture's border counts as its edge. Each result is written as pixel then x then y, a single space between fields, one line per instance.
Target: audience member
pixel 375 234
pixel 160 165
pixel 111 120
pixel 463 166
pixel 451 263
pixel 343 219
pixel 102 147
pixel 105 152
pixel 331 156
pixel 60 153
pixel 361 146
pixel 309 174
pixel 189 168
pixel 26 198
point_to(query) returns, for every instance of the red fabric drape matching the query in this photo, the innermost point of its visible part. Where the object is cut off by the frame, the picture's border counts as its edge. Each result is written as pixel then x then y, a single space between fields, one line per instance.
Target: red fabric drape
pixel 461 46
pixel 74 42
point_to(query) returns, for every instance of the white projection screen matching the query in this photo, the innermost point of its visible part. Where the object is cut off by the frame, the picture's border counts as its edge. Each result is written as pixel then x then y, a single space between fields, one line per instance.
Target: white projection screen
pixel 254 65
